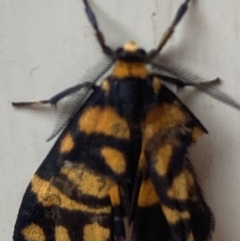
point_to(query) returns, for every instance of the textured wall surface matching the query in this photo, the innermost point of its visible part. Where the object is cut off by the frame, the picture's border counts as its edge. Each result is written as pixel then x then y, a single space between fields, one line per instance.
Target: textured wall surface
pixel 46 46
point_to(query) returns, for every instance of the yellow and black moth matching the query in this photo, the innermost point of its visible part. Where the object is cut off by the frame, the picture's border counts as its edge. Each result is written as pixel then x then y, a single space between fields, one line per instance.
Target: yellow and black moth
pixel 122 156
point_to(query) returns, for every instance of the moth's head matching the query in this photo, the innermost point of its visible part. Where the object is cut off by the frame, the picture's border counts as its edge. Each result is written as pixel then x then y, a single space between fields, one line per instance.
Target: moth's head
pixel 130 52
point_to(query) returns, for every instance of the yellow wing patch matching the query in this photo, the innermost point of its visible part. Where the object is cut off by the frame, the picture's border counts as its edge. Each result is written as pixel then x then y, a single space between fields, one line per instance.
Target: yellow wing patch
pixel 95 232
pixel 173 216
pixel 114 159
pixel 104 121
pixel 114 195
pixel 181 186
pixel 197 132
pixel 61 234
pixel 168 116
pixel 190 237
pixel 49 195
pixel 147 194
pixel 87 182
pixel 33 233
pixel 67 144
pixel 163 159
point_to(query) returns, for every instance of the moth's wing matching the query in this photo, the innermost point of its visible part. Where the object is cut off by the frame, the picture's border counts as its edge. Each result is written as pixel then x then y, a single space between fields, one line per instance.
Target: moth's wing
pixel 147 218
pixel 71 103
pixel 74 194
pixel 75 205
pixel 170 205
pixel 154 220
pixel 202 219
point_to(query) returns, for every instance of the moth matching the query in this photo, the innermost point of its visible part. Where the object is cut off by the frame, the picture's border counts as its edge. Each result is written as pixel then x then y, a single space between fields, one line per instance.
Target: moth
pixel 121 162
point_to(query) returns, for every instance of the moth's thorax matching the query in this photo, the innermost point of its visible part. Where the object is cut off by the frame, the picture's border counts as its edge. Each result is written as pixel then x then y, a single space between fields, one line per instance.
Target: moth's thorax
pixel 128 88
pixel 130 62
pixel 124 69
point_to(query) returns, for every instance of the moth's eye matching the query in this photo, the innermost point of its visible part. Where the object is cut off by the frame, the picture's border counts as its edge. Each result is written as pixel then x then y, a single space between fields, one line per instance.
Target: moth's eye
pixel 141 53
pixel 120 52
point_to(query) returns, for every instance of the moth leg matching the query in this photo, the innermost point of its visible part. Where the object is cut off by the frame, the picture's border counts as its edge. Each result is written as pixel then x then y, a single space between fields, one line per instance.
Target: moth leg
pixel 54 100
pixel 168 33
pixel 199 85
pixel 100 37
pixel 206 84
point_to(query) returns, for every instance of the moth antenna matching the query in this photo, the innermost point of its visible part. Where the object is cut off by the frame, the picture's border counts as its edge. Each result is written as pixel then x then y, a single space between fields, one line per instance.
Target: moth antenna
pixel 168 33
pixel 100 36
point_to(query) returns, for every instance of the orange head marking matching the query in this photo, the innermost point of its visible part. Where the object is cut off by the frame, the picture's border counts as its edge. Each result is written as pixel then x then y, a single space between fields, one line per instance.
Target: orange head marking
pixel 130 52
pixel 130 46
